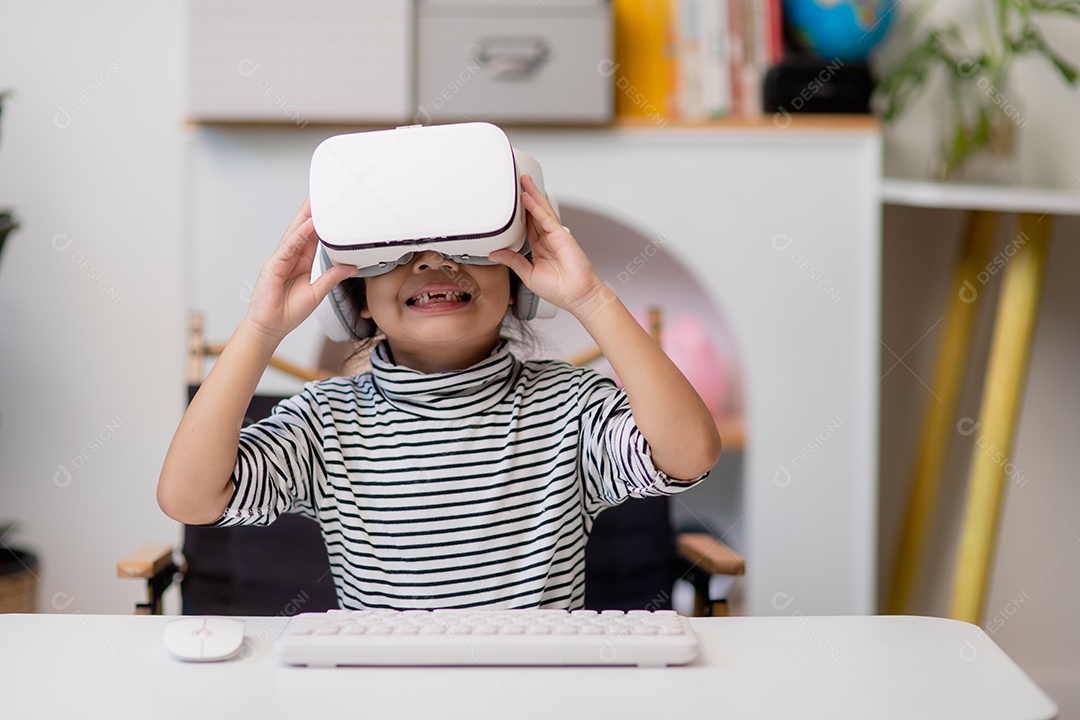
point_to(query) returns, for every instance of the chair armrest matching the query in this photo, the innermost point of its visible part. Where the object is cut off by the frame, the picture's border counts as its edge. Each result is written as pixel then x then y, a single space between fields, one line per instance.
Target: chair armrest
pixel 706 552
pixel 146 562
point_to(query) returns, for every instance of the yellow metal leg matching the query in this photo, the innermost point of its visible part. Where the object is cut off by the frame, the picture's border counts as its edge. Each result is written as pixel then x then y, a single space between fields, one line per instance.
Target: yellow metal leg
pixel 941 407
pixel 1024 265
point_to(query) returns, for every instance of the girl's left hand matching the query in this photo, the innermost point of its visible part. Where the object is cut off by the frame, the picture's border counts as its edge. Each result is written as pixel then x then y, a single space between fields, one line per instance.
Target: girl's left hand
pixel 560 272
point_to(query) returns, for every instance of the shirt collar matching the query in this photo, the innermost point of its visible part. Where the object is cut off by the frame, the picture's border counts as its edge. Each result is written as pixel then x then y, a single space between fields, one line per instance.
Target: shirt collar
pixel 445 395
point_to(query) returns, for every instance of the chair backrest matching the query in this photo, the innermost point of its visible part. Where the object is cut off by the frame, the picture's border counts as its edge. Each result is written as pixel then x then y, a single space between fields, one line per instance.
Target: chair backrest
pixel 281 569
pixel 629 557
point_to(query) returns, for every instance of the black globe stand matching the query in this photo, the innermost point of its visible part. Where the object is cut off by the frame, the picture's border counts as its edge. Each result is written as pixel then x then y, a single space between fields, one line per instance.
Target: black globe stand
pixel 805 83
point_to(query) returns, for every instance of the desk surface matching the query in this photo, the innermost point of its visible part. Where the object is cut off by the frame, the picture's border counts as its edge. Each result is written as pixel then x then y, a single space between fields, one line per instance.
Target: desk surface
pixel 112 666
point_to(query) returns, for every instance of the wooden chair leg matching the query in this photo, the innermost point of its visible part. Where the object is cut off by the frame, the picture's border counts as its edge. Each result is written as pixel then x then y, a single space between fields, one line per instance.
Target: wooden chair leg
pixel 699 609
pixel 700 556
pixel 719 608
pixel 155 591
pixel 153 563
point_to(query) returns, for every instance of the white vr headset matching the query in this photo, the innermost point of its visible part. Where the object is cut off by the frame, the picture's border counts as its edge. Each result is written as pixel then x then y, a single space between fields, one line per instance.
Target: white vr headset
pixel 379 197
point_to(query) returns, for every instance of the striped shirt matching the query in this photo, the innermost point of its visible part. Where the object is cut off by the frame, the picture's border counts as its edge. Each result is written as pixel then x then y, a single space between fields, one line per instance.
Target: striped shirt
pixel 468 488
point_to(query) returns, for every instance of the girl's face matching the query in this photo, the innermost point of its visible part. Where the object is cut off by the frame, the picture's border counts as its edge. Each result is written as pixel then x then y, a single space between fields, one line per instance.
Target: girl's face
pixel 439 315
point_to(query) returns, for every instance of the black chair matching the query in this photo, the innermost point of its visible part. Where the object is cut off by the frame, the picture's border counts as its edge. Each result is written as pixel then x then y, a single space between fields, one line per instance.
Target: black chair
pixel 628 558
pixel 281 569
pixel 632 560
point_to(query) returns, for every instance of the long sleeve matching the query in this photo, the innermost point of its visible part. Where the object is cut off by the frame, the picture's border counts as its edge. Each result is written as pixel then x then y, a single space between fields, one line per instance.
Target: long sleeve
pixel 616 461
pixel 278 464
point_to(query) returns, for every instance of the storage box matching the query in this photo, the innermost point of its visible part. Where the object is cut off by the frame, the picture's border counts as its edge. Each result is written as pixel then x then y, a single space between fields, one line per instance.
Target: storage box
pixel 285 61
pixel 516 61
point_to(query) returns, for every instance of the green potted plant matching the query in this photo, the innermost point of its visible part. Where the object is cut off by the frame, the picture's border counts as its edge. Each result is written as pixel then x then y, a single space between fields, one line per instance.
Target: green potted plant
pixel 982 117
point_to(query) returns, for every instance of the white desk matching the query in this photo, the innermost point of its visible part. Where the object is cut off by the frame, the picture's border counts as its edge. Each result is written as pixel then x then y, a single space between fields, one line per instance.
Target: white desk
pixel 109 666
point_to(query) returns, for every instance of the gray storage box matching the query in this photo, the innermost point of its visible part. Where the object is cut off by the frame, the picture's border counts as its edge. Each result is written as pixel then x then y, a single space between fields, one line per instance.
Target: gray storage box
pixel 526 61
pixel 287 61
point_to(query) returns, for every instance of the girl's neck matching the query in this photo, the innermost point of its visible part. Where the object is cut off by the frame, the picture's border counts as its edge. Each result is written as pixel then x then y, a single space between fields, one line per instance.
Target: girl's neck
pixel 431 358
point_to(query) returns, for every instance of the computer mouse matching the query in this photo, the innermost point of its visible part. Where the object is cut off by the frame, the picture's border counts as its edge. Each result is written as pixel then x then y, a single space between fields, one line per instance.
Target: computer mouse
pixel 204 639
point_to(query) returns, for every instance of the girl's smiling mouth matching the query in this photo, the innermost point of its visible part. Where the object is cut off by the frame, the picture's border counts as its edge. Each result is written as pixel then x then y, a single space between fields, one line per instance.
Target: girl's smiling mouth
pixel 439 299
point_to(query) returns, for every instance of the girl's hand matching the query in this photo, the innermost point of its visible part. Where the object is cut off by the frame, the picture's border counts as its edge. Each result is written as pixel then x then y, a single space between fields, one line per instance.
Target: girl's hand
pixel 284 294
pixel 560 272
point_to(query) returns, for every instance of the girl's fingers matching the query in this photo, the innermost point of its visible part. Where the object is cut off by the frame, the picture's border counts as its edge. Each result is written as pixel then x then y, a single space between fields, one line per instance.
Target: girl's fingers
pixel 533 230
pixel 515 261
pixel 294 255
pixel 308 250
pixel 301 225
pixel 297 239
pixel 534 194
pixel 326 282
pixel 529 184
pixel 543 214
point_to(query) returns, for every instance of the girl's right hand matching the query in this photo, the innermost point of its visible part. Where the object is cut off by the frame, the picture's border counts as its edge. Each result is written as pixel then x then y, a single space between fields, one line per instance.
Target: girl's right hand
pixel 284 294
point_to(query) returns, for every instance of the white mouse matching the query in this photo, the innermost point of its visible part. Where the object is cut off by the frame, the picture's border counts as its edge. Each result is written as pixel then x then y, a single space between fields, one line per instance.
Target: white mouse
pixel 204 639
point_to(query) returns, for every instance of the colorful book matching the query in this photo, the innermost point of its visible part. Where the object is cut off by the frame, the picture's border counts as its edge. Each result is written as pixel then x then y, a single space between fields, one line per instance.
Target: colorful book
pixel 643 57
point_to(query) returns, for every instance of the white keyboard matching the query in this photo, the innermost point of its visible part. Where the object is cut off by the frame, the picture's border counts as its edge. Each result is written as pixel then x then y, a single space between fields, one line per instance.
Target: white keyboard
pixel 487 637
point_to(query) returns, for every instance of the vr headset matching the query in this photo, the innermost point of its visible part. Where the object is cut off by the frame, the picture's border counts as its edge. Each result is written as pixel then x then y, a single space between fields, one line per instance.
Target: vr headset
pixel 380 197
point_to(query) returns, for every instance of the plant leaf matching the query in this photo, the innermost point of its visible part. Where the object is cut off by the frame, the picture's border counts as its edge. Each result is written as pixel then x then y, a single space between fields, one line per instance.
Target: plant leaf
pixel 904 81
pixel 1066 7
pixel 1032 41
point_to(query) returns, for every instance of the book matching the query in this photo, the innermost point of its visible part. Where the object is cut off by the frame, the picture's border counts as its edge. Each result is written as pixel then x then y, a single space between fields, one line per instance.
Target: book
pixel 695 60
pixel 642 71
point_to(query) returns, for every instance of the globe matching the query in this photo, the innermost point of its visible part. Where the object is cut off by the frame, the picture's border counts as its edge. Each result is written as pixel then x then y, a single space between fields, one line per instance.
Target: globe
pixel 846 30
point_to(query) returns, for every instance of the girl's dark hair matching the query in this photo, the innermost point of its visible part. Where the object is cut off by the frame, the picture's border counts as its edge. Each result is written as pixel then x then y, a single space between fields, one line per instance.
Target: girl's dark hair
pixel 520 333
pixel 514 329
pixel 356 295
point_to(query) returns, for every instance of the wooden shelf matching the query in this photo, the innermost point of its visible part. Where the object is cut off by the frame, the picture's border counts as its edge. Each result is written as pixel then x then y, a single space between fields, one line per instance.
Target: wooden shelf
pixel 732 433
pixel 768 121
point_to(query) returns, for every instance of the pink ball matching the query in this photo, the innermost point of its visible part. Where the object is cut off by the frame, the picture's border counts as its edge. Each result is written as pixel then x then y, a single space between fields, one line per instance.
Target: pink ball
pixel 686 342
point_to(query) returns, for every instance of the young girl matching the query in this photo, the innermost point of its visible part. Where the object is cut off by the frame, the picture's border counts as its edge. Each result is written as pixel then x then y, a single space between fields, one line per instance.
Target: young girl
pixel 452 474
